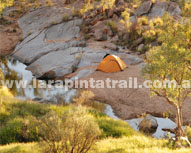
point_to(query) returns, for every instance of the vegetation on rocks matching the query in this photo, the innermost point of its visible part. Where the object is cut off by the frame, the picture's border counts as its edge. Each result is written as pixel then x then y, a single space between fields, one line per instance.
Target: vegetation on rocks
pixel 5 3
pixel 27 126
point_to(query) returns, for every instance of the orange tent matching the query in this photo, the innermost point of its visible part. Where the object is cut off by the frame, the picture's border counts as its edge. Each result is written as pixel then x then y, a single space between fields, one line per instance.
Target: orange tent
pixel 111 63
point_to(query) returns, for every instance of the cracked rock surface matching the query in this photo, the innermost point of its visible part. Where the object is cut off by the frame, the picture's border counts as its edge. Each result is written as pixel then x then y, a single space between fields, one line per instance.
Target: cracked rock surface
pixel 56 50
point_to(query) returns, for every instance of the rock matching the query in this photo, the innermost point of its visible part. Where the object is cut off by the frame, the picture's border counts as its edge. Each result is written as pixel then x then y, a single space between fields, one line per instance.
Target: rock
pixel 43 42
pixel 148 125
pixel 158 9
pixel 119 2
pixel 64 31
pixel 59 66
pixel 98 25
pixel 123 50
pixel 54 51
pixel 115 38
pixel 140 47
pixel 138 41
pixel 100 31
pixel 115 17
pixel 39 19
pixel 130 59
pixel 133 19
pixel 100 36
pixel 83 73
pixel 119 9
pixel 94 21
pixel 174 9
pixel 92 57
pixel 10 11
pixel 144 8
pixel 111 46
pixel 155 43
pixel 110 13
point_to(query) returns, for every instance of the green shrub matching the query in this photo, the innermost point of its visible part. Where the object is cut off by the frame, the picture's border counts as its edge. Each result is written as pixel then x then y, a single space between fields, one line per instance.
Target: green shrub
pixel 65 17
pixel 188 132
pixel 19 130
pixel 113 26
pixel 75 132
pixel 76 13
pixel 114 128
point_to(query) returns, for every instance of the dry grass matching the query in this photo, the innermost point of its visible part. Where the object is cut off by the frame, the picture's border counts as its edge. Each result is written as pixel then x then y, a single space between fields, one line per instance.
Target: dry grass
pixel 135 144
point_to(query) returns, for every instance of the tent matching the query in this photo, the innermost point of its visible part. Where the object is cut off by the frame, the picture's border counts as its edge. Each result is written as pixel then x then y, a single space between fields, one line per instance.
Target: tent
pixel 111 63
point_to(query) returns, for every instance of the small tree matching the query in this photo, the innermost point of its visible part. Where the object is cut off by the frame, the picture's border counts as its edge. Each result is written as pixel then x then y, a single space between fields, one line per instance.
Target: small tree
pixel 76 132
pixel 171 61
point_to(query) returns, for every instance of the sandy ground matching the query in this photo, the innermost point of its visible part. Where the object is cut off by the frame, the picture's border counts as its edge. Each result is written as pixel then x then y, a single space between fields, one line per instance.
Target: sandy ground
pixel 10 35
pixel 129 103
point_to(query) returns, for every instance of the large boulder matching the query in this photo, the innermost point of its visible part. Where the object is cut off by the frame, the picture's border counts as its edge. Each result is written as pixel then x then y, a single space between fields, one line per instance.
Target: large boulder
pixel 57 50
pixel 59 63
pixel 65 31
pixel 148 125
pixel 39 43
pixel 39 19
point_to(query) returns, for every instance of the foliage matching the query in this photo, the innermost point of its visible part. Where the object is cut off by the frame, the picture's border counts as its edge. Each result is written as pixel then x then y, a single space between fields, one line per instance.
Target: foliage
pixel 5 3
pixel 65 17
pixel 105 4
pixel 126 19
pixel 21 148
pixel 76 12
pixel 19 130
pixel 188 132
pixel 3 61
pixel 18 113
pixel 171 61
pixel 143 27
pixel 75 132
pixel 186 10
pixel 114 128
pixel 113 26
pixel 18 120
pixel 4 91
pixel 87 7
pixel 23 116
pixel 85 97
pixel 49 3
pixel 135 144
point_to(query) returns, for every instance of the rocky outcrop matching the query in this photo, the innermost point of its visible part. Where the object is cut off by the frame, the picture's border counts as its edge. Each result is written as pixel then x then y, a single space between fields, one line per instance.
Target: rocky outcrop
pixel 158 8
pixel 51 39
pixel 56 50
pixel 148 125
pixel 39 19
